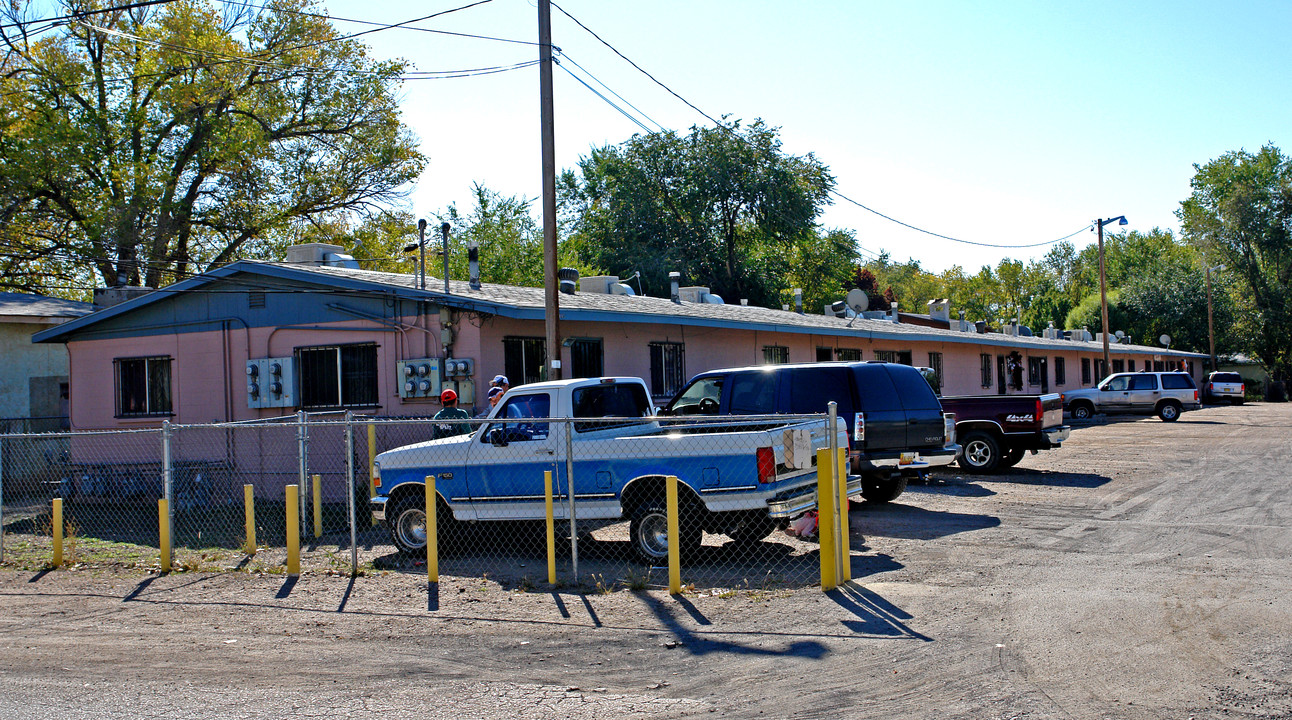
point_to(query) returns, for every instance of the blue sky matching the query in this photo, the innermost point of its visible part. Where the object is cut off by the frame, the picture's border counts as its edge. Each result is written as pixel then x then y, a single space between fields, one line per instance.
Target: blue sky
pixel 1000 122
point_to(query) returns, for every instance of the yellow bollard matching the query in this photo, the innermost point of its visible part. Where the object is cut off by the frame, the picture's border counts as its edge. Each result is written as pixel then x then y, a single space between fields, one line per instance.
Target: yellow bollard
pixel 825 494
pixel 372 460
pixel 249 502
pixel 551 527
pixel 57 527
pixel 318 506
pixel 432 534
pixel 845 549
pixel 163 533
pixel 674 560
pixel 293 530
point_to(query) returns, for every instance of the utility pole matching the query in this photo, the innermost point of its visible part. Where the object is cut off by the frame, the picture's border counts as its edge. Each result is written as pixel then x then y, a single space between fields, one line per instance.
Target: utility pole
pixel 551 305
pixel 1103 298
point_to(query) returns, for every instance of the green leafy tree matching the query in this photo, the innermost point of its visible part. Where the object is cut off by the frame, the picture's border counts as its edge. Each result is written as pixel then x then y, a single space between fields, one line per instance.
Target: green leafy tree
pixel 1240 214
pixel 155 142
pixel 724 205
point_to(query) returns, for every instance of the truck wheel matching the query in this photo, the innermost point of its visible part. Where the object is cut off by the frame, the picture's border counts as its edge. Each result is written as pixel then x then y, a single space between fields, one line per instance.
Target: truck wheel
pixel 981 453
pixel 648 532
pixel 1169 412
pixel 408 526
pixel 1012 456
pixel 883 490
pixel 752 530
pixel 1082 411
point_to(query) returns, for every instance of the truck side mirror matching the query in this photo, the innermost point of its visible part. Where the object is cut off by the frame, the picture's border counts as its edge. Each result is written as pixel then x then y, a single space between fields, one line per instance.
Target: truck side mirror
pixel 498 437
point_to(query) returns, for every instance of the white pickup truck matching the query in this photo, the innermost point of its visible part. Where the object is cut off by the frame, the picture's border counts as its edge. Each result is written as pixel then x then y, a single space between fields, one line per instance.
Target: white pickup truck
pixel 742 481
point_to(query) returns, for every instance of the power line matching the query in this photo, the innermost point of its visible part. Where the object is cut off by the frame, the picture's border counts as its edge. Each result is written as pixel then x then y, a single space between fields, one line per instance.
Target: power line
pixel 836 193
pixel 402 26
pixel 606 100
pixel 76 16
pixel 608 89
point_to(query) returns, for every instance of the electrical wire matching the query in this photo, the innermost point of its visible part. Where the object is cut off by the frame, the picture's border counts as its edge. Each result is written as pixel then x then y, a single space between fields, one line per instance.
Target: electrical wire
pixel 606 100
pixel 836 193
pixel 76 16
pixel 402 26
pixel 608 89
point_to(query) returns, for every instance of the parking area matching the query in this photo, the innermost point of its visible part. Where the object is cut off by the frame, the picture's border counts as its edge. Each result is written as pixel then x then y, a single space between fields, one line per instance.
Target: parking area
pixel 1141 571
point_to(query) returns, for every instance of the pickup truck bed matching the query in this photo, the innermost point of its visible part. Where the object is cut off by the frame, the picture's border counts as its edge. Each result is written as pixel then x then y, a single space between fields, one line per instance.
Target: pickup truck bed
pixel 996 430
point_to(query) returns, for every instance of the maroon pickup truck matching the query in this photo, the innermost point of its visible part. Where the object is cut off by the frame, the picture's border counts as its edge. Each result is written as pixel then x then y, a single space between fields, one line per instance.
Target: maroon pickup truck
pixel 995 430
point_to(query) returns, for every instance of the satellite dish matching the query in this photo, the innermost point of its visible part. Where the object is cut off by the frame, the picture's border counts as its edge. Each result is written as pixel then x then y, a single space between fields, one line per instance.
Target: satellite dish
pixel 1119 334
pixel 858 300
pixel 1165 340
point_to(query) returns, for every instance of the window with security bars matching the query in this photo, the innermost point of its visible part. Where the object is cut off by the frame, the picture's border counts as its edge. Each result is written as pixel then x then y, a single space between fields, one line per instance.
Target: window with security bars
pixel 586 358
pixel 667 368
pixel 847 355
pixel 524 359
pixel 1130 366
pixel 1033 371
pixel 935 362
pixel 775 354
pixel 984 361
pixel 824 354
pixel 1119 366
pixel 1061 372
pixel 902 357
pixel 1085 371
pixel 337 376
pixel 143 386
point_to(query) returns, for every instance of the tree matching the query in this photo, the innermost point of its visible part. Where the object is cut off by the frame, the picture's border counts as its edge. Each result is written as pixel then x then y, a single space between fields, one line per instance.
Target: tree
pixel 155 142
pixel 722 205
pixel 1240 214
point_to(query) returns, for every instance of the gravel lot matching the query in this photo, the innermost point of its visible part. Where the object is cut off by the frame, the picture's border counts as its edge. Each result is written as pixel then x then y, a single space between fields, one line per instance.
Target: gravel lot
pixel 1140 572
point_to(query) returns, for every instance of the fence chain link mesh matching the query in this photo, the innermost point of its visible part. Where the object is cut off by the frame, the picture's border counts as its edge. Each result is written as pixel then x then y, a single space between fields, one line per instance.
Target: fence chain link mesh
pixel 609 509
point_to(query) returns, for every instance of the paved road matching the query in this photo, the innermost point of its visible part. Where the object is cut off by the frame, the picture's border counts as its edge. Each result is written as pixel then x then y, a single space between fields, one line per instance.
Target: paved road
pixel 1140 572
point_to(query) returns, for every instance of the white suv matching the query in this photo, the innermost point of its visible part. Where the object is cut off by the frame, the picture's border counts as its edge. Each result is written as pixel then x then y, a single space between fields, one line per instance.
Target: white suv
pixel 1165 394
pixel 1225 386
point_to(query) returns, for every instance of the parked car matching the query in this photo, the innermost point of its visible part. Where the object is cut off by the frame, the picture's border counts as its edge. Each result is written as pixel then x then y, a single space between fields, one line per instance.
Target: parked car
pixel 1165 394
pixel 994 431
pixel 1224 386
pixel 898 427
pixel 741 481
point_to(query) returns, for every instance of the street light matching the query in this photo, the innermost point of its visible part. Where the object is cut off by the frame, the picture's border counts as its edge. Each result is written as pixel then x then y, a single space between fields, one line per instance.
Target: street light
pixel 1103 285
pixel 1211 332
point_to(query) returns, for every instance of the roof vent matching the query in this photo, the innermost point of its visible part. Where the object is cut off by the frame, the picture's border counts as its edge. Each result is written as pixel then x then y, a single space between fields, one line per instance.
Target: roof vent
pixel 568 277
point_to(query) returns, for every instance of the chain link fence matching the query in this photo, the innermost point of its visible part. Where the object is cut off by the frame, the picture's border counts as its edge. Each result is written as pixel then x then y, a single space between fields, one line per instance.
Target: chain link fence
pixel 746 489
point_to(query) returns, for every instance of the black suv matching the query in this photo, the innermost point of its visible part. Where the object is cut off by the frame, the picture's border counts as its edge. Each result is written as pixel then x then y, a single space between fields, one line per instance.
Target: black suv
pixel 897 425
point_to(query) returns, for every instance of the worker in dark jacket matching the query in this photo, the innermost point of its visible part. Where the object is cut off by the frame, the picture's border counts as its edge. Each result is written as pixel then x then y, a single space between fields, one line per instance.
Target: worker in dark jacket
pixel 444 425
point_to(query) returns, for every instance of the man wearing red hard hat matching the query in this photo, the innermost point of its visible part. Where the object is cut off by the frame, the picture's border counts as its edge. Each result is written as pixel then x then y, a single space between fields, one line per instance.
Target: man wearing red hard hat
pixel 444 419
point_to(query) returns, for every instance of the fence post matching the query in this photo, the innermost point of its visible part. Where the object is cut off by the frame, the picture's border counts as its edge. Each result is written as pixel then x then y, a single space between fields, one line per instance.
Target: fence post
pixel 1 499
pixel 569 489
pixel 551 527
pixel 845 546
pixel 840 509
pixel 302 469
pixel 674 556
pixel 293 531
pixel 825 518
pixel 317 491
pixel 432 533
pixel 372 458
pixel 168 478
pixel 163 533
pixel 249 513
pixel 349 476
pixel 57 527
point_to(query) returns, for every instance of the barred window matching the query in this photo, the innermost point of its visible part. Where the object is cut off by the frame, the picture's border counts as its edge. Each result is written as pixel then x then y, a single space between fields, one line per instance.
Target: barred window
pixel 586 357
pixel 984 361
pixel 1119 366
pixel 667 368
pixel 143 386
pixel 847 355
pixel 1061 372
pixel 1033 370
pixel 775 354
pixel 338 376
pixel 824 354
pixel 902 357
pixel 524 359
pixel 1130 366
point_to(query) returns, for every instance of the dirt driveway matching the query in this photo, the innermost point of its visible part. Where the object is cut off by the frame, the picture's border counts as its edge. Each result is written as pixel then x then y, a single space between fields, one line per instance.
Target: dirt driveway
pixel 1142 571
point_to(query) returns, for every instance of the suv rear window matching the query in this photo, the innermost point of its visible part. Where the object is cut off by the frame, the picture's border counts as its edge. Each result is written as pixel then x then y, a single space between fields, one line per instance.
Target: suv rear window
pixel 1177 381
pixel 1226 377
pixel 914 390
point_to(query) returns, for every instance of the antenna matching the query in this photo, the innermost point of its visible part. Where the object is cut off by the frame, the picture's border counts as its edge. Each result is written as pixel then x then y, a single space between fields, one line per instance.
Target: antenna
pixel 858 301
pixel 1165 340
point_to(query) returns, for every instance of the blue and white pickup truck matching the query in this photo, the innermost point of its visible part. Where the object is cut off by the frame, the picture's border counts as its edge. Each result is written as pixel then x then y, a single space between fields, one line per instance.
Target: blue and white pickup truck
pixel 743 482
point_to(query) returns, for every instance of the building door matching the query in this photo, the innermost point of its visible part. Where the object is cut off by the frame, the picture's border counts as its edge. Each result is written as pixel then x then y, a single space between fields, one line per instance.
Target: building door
pixel 1000 374
pixel 1045 375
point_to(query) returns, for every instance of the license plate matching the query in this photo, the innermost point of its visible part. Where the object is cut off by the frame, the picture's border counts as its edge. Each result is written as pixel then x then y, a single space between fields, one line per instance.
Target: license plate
pixel 907 458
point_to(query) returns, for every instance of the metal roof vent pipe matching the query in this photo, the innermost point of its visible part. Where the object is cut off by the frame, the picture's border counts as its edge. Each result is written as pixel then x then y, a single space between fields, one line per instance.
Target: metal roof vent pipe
pixel 798 300
pixel 568 277
pixel 892 308
pixel 674 282
pixel 963 326
pixel 473 262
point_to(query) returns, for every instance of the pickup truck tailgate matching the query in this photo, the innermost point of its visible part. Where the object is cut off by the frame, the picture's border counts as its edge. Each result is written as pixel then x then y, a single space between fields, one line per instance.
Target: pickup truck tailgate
pixel 1051 410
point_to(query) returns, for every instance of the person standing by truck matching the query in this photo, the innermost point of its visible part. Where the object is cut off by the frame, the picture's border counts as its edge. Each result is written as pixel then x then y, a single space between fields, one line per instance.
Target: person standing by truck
pixel 444 419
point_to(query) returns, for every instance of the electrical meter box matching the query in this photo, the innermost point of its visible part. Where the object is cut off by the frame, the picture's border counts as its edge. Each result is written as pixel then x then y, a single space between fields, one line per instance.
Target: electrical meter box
pixel 458 368
pixel 271 383
pixel 418 378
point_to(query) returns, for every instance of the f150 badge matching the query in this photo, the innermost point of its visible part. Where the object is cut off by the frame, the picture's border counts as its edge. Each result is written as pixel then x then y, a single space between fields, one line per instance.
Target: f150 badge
pixel 1018 418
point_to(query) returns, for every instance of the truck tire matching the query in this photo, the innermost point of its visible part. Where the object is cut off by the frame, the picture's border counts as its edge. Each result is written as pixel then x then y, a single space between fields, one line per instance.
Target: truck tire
pixel 752 530
pixel 981 453
pixel 883 490
pixel 1168 411
pixel 1012 456
pixel 648 533
pixel 1082 411
pixel 408 526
